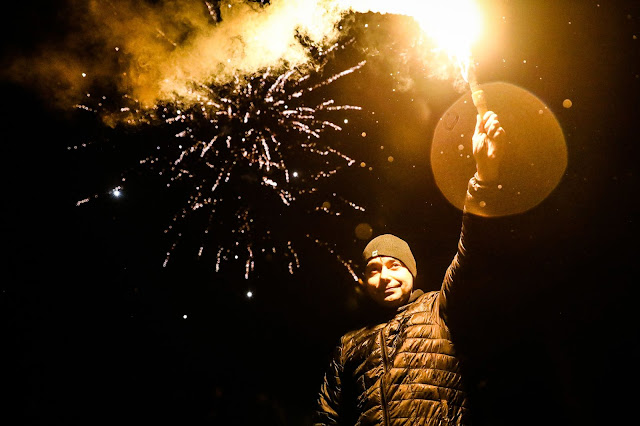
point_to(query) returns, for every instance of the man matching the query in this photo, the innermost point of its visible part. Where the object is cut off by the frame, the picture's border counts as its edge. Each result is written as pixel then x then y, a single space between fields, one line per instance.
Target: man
pixel 404 369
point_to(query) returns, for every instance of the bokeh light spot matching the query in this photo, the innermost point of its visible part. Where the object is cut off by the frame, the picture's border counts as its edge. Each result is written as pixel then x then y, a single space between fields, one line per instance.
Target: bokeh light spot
pixel 363 231
pixel 567 103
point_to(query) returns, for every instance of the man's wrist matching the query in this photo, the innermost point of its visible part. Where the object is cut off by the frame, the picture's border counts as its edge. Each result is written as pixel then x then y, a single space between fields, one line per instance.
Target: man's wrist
pixel 482 196
pixel 486 176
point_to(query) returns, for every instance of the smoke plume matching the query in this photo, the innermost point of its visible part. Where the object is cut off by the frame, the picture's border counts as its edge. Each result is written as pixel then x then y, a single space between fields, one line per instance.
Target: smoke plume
pixel 159 50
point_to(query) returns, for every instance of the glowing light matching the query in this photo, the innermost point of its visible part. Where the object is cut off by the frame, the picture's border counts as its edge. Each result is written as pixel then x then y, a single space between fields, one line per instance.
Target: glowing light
pixel 249 294
pixel 454 25
pixel 184 316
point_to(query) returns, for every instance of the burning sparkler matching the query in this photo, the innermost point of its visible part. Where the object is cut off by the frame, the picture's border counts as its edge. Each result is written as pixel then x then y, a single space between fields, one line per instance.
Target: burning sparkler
pixel 454 26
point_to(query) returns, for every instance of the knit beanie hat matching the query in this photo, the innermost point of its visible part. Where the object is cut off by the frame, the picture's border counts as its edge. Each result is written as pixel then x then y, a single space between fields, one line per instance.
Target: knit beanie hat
pixel 392 246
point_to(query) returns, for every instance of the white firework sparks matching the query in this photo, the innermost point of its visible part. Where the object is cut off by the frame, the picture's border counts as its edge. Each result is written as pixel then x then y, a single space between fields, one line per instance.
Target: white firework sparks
pixel 232 145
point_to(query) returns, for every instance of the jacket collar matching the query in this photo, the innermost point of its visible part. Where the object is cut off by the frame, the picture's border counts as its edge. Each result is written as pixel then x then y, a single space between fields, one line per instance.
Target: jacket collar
pixel 372 313
pixel 412 298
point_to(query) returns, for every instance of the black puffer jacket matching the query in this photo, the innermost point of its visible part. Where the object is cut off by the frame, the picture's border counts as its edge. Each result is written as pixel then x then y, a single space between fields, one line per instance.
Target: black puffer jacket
pixel 404 371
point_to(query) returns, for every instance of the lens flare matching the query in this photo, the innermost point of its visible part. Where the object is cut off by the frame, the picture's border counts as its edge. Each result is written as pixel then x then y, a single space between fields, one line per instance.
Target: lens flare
pixel 535 154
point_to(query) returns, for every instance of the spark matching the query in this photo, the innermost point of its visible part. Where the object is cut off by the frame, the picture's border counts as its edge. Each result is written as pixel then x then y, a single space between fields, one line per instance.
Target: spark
pixel 347 263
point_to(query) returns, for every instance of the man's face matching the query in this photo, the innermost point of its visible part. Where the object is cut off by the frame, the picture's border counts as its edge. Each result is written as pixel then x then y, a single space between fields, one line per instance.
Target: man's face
pixel 388 281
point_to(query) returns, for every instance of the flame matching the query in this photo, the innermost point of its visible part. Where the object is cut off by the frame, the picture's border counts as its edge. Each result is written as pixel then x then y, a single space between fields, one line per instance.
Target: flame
pixel 453 25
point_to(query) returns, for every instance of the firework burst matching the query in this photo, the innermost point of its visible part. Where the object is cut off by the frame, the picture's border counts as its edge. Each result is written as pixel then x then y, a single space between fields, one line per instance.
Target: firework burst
pixel 245 152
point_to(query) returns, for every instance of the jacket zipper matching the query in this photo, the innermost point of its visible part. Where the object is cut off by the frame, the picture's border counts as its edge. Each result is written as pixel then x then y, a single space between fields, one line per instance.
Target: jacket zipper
pixel 385 366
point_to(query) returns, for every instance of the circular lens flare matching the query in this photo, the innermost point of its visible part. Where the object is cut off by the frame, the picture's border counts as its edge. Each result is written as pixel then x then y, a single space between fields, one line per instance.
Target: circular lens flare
pixel 535 155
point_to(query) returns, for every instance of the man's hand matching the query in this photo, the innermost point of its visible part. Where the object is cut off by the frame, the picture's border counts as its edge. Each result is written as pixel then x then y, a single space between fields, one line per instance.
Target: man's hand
pixel 488 146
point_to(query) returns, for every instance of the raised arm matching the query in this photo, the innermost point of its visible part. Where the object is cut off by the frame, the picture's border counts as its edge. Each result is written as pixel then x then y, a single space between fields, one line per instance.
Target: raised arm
pixel 475 257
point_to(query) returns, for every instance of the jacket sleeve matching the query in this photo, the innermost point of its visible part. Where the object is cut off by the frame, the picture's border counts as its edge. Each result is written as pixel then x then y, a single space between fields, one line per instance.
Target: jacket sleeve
pixel 483 240
pixel 330 400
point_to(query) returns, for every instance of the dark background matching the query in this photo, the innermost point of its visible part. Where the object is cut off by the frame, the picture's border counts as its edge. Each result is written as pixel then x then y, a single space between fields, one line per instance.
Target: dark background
pixel 95 326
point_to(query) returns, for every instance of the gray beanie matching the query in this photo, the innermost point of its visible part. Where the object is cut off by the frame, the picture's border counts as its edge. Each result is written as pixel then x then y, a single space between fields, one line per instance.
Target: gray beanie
pixel 392 246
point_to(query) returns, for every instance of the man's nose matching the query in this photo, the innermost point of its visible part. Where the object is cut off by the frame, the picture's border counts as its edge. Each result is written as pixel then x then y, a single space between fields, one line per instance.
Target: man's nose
pixel 384 274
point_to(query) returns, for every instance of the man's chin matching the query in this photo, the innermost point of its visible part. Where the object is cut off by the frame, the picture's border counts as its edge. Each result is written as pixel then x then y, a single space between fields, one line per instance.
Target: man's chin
pixel 393 301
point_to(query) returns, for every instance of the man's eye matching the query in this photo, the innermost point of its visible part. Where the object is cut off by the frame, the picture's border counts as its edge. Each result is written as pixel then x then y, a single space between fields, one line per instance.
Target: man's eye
pixel 395 265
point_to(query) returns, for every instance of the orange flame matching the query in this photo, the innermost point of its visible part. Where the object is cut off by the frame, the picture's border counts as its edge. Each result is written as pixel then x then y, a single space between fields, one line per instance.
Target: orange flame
pixel 454 25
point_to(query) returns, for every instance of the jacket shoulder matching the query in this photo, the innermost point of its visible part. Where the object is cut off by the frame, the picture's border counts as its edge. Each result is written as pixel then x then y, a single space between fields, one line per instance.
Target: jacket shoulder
pixel 428 296
pixel 426 301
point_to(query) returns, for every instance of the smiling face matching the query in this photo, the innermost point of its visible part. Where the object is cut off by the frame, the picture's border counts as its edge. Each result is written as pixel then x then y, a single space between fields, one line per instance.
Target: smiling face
pixel 388 281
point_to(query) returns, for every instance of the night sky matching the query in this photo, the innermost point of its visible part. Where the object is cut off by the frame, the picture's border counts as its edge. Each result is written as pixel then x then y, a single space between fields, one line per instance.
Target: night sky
pixel 100 332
